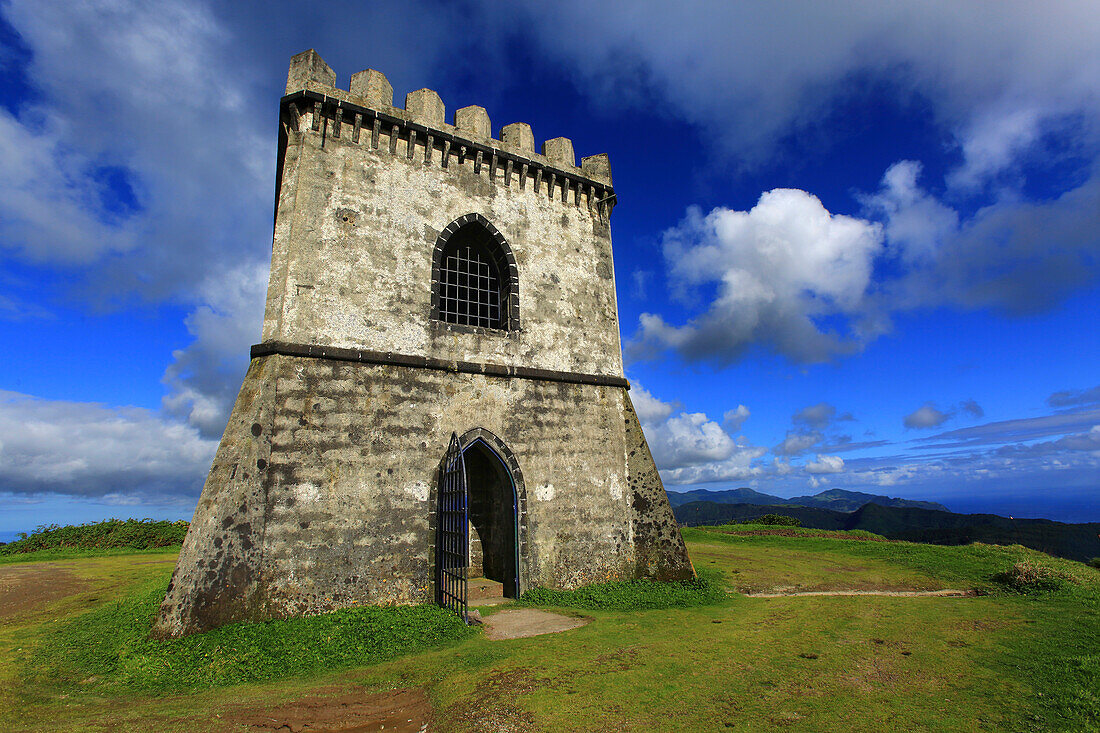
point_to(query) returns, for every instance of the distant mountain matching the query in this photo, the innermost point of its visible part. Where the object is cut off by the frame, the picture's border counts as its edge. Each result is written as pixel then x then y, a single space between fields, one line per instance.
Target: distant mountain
pixel 835 499
pixel 848 501
pixel 731 496
pixel 1073 541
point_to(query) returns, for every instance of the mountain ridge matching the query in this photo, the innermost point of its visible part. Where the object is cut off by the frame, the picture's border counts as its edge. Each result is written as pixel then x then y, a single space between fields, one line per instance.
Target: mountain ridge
pixel 913 524
pixel 836 499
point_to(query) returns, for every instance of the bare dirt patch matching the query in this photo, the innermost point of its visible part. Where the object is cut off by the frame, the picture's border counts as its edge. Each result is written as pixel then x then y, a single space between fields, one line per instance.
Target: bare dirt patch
pixel 401 711
pixel 26 588
pixel 523 622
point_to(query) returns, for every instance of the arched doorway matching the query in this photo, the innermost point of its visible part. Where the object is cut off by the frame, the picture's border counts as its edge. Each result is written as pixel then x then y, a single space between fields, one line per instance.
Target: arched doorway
pixel 494 516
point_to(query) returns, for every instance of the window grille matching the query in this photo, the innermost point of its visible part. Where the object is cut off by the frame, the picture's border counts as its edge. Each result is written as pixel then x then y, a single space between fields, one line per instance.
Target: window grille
pixel 470 288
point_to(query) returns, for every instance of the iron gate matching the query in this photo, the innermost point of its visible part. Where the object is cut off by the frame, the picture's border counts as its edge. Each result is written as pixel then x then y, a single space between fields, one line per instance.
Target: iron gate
pixel 453 533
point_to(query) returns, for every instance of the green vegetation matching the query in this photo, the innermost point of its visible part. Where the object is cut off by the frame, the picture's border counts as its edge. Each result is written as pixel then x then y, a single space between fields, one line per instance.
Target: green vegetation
pixel 1003 660
pixel 133 534
pixel 1029 576
pixel 1072 541
pixel 112 645
pixel 633 595
pixel 776 520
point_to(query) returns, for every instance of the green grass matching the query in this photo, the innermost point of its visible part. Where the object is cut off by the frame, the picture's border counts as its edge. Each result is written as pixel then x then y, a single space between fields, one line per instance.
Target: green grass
pixel 137 534
pixel 1001 661
pixel 111 645
pixel 633 595
pixel 968 566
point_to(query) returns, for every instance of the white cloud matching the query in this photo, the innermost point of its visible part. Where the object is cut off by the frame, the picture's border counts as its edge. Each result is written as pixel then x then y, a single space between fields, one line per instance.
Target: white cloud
pixel 747 74
pixel 825 464
pixel 690 448
pixel 204 377
pixel 926 416
pixel 732 420
pixel 797 442
pixel 820 415
pixel 649 408
pixel 779 267
pixel 88 449
pixel 688 439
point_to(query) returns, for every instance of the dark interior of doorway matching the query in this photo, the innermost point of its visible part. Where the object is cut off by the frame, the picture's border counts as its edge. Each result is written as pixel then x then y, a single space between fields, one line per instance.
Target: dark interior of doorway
pixel 492 507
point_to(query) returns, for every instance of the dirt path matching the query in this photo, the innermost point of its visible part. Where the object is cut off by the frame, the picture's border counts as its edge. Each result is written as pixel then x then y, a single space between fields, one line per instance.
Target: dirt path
pixel 523 622
pixel 400 711
pixel 29 586
pixel 945 593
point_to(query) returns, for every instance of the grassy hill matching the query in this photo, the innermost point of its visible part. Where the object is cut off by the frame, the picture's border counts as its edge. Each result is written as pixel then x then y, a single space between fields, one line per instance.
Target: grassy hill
pixel 1074 541
pixel 1015 657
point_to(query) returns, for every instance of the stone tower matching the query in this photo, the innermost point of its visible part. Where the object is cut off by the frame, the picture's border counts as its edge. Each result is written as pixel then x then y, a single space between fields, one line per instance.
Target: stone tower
pixel 426 279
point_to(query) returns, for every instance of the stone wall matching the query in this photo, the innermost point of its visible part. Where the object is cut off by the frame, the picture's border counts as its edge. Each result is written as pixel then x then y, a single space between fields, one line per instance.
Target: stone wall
pixel 358 222
pixel 323 492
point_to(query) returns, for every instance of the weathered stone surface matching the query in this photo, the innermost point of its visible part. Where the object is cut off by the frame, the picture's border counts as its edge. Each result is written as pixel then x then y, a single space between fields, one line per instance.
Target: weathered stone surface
pixel 323 492
pixel 560 150
pixel 473 120
pixel 598 167
pixel 373 86
pixel 353 258
pixel 519 136
pixel 308 67
pixel 426 105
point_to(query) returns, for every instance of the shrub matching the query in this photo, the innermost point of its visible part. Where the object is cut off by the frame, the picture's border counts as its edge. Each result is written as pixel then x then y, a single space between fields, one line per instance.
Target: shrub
pixel 1030 577
pixel 776 520
pixel 1095 562
pixel 633 595
pixel 140 534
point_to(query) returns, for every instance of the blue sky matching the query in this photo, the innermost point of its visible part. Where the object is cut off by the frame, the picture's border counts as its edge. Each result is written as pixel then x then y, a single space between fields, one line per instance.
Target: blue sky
pixel 855 247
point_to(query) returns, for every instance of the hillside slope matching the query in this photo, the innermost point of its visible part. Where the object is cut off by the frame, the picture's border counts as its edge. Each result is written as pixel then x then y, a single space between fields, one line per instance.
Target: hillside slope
pixel 1073 541
pixel 835 499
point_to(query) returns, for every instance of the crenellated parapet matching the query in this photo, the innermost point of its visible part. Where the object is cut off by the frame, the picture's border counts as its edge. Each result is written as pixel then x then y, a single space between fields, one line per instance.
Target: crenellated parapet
pixel 365 115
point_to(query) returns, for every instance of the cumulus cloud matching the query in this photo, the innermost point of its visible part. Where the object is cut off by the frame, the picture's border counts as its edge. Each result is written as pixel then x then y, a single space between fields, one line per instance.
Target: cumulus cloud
pixel 649 409
pixel 780 269
pixel 734 419
pixel 1012 255
pixel 825 464
pixel 92 450
pixel 688 439
pixel 926 416
pixel 691 448
pixel 204 377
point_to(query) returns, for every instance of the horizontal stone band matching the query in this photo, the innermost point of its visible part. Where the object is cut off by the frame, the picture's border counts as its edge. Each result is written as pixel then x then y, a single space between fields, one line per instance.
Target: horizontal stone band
pixel 366 356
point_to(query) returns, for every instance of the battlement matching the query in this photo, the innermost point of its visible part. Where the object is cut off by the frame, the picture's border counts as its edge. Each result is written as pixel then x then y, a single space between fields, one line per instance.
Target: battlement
pixel 365 115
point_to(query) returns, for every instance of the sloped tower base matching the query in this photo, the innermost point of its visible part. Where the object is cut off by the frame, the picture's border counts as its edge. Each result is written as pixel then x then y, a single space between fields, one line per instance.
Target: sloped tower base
pixel 323 491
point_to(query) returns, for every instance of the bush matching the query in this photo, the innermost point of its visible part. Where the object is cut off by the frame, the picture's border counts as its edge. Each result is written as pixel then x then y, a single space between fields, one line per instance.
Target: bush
pixel 1095 562
pixel 633 595
pixel 776 520
pixel 139 534
pixel 1030 577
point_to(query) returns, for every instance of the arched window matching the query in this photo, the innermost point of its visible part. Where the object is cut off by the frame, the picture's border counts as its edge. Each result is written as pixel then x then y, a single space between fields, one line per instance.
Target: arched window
pixel 474 276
